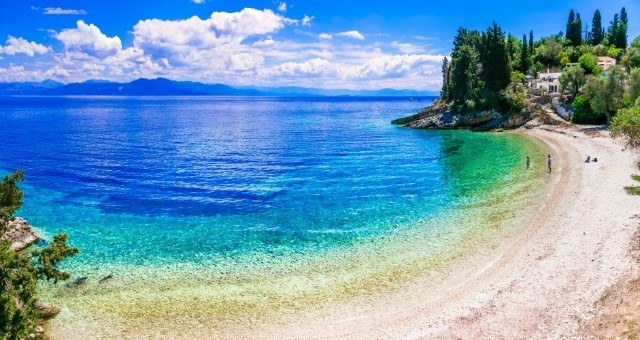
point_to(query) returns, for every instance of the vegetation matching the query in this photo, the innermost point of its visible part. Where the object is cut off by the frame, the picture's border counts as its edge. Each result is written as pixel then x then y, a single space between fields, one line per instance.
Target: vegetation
pixel 583 114
pixel 606 93
pixel 10 198
pixel 480 72
pixel 20 271
pixel 626 124
pixel 633 190
pixel 573 78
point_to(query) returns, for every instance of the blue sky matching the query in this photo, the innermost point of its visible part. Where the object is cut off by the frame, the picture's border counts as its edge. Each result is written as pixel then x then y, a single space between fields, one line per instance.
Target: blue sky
pixel 356 44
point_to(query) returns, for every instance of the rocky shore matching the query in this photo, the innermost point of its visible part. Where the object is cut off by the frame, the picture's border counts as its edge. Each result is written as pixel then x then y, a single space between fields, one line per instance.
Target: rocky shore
pixel 21 235
pixel 441 116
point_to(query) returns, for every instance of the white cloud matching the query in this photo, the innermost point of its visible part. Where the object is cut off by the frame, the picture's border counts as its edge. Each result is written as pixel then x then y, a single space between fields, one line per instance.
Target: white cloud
pixel 199 1
pixel 238 48
pixel 20 45
pixel 351 34
pixel 306 20
pixel 90 40
pixel 61 11
pixel 282 7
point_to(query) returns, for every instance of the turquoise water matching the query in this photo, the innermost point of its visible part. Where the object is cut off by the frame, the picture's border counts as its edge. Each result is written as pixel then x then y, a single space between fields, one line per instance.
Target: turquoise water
pixel 241 184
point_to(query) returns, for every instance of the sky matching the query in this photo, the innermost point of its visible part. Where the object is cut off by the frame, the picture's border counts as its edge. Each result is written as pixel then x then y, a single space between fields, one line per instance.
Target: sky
pixel 357 44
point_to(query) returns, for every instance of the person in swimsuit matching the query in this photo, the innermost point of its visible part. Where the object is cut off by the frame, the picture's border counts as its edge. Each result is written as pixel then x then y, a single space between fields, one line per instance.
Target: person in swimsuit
pixel 549 162
pixel 528 162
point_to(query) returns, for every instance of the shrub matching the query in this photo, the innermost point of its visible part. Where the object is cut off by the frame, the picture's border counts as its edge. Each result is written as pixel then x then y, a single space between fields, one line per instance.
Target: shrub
pixel 583 114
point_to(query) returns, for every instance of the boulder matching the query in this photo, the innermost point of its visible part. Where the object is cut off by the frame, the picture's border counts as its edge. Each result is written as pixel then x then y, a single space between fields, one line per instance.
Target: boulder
pixel 20 235
pixel 46 310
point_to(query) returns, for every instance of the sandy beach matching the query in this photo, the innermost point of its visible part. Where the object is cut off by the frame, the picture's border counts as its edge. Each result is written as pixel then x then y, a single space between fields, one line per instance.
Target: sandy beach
pixel 571 273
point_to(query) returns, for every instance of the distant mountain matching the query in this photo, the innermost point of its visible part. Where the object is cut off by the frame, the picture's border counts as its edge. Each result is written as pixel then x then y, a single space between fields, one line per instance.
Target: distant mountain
pixel 28 88
pixel 305 91
pixel 167 87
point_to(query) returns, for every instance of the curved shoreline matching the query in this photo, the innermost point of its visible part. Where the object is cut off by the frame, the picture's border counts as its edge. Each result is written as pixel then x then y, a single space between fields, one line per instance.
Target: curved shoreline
pixel 546 283
pixel 510 289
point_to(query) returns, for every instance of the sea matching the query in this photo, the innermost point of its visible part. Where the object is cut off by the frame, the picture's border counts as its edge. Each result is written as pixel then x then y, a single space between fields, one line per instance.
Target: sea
pixel 249 203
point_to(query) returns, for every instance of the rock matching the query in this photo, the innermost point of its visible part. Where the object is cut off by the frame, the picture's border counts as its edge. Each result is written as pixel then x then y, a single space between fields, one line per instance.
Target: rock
pixel 77 282
pixel 106 278
pixel 20 235
pixel 39 329
pixel 46 310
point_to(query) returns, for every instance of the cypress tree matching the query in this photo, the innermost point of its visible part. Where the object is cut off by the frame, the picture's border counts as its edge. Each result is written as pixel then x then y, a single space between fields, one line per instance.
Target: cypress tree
pixel 496 71
pixel 596 28
pixel 577 31
pixel 621 41
pixel 444 93
pixel 524 55
pixel 531 42
pixel 568 33
pixel 613 29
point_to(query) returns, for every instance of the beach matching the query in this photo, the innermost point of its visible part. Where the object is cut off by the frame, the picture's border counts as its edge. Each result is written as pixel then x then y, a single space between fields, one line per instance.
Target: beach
pixel 554 280
pixel 561 266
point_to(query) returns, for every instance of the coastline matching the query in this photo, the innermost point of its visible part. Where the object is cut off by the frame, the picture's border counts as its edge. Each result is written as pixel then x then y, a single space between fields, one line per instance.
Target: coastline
pixel 549 282
pixel 508 288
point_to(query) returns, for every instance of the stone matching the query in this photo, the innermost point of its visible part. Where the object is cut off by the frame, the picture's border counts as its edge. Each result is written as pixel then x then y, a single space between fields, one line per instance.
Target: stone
pixel 20 235
pixel 46 310
pixel 106 278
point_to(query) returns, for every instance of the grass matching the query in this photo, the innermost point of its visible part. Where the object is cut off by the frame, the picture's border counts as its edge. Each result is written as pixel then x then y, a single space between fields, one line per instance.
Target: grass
pixel 633 190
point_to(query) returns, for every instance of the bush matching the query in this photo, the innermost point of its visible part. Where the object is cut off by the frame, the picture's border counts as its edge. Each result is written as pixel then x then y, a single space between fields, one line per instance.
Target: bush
pixel 589 63
pixel 626 124
pixel 583 114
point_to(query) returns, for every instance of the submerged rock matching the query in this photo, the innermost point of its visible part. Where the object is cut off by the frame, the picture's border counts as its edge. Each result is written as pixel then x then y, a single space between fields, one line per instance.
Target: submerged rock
pixel 106 278
pixel 20 235
pixel 46 310
pixel 77 282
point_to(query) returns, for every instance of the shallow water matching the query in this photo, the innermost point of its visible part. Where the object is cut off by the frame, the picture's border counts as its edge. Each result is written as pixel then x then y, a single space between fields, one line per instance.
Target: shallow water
pixel 248 192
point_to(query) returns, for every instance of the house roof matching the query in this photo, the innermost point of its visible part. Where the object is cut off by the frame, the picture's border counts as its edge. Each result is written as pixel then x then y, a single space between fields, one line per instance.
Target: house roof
pixel 606 59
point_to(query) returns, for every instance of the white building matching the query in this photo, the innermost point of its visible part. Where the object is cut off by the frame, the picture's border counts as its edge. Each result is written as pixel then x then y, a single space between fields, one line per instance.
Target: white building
pixel 548 82
pixel 606 63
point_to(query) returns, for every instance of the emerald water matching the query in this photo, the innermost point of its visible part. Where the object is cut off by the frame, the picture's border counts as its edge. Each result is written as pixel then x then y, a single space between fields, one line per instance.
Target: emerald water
pixel 217 193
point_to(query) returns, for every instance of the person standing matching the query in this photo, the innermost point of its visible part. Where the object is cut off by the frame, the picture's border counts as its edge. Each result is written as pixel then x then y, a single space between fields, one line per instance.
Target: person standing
pixel 549 162
pixel 528 162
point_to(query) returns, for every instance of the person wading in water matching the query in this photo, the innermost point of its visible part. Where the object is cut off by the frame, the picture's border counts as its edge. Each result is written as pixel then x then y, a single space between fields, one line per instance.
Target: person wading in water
pixel 549 162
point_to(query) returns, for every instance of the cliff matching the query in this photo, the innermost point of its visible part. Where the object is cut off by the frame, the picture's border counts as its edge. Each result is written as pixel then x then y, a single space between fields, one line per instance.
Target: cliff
pixel 20 235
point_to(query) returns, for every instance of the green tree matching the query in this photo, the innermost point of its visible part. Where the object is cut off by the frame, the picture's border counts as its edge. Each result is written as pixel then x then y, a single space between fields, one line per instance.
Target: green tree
pixel 19 271
pixel 530 41
pixel 525 63
pixel 572 79
pixel 573 31
pixel 633 90
pixel 633 53
pixel 583 113
pixel 606 93
pixel 597 32
pixel 444 93
pixel 621 38
pixel 626 124
pixel 496 70
pixel 10 198
pixel 589 63
pixel 17 290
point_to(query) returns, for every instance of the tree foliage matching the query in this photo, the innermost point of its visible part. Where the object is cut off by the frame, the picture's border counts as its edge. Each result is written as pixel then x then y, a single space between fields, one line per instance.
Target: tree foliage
pixel 633 53
pixel 589 63
pixel 572 79
pixel 10 198
pixel 573 31
pixel 626 124
pixel 606 93
pixel 583 113
pixel 20 271
pixel 597 31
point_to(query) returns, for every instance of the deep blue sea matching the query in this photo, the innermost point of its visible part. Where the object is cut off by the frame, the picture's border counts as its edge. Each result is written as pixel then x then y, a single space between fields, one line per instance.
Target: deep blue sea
pixel 150 181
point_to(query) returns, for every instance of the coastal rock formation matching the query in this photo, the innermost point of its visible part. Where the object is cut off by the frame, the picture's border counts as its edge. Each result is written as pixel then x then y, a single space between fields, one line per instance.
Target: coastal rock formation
pixel 442 117
pixel 20 235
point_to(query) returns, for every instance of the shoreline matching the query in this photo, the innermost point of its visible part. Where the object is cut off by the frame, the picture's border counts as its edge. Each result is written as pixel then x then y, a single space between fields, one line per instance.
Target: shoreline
pixel 548 281
pixel 508 289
